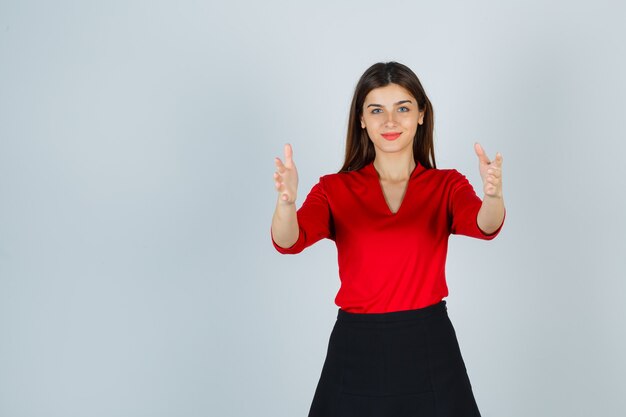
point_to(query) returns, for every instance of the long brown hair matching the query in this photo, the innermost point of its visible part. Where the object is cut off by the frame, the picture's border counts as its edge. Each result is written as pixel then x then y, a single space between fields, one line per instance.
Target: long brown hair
pixel 359 148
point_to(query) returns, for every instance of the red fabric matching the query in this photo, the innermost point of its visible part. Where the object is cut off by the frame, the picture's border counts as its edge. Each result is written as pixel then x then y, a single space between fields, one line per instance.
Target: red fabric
pixel 389 262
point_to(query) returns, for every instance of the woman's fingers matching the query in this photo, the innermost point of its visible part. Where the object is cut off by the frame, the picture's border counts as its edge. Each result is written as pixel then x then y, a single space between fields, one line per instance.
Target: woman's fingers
pixel 280 167
pixel 495 167
pixel 288 155
pixel 277 180
pixel 494 171
pixel 498 160
pixel 282 189
pixel 286 176
pixel 493 180
pixel 288 159
pixel 480 152
pixel 493 177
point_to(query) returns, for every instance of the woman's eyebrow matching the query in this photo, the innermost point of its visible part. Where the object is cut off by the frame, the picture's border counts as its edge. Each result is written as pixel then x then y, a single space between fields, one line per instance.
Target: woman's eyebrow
pixel 399 102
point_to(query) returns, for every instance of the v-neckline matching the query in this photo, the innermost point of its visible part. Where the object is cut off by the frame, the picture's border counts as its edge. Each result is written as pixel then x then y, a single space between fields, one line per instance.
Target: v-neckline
pixel 382 191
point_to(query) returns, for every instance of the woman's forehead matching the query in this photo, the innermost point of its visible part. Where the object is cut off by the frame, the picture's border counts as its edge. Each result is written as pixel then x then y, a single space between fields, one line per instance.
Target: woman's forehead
pixel 389 94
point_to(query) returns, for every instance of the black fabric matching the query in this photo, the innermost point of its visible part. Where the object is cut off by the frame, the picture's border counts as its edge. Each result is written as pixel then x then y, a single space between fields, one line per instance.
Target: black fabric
pixel 398 364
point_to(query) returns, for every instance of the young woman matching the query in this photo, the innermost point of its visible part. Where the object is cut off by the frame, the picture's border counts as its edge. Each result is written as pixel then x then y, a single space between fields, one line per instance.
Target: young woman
pixel 393 350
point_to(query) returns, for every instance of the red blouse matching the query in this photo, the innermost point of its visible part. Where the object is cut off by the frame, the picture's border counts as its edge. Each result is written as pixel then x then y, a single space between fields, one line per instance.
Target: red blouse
pixel 389 262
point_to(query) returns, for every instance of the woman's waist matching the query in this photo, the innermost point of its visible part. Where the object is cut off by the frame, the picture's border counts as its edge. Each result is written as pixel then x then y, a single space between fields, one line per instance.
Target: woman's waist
pixel 393 316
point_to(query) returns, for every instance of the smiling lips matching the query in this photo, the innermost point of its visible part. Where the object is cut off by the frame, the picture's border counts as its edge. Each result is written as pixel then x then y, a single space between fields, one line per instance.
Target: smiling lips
pixel 391 135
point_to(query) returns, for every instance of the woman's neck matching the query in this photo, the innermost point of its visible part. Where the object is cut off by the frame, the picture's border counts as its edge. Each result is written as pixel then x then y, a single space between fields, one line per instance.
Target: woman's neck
pixel 396 167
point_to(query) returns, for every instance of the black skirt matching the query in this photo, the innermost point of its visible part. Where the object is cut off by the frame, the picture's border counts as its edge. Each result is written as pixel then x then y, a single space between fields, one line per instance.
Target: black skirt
pixel 398 364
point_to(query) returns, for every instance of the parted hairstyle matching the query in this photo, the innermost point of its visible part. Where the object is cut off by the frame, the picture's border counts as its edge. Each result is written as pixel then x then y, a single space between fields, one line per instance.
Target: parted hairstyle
pixel 360 150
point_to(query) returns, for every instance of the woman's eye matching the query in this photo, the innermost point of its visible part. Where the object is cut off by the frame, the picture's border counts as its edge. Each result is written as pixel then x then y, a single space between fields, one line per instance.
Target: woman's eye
pixel 403 109
pixel 375 111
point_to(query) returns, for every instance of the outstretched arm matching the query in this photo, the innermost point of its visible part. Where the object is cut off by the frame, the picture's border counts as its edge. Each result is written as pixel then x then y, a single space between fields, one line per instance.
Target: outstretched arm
pixel 491 213
pixel 285 222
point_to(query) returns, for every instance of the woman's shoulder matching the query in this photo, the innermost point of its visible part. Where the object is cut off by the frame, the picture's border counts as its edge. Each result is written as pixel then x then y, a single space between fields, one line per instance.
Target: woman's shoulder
pixel 338 182
pixel 343 175
pixel 445 173
pixel 442 179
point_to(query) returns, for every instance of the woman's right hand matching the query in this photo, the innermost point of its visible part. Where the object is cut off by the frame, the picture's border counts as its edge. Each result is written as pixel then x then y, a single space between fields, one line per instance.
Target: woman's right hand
pixel 286 178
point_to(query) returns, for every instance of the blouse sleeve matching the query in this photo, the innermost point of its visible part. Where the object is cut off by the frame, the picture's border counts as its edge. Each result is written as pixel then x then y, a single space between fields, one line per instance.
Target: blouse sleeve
pixel 314 221
pixel 464 205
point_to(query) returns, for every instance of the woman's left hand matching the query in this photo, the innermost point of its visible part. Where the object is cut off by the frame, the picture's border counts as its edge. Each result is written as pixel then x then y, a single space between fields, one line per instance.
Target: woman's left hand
pixel 490 172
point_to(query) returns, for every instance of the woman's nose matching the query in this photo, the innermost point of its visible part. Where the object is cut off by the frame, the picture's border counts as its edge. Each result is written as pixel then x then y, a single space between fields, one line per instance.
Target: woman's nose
pixel 391 118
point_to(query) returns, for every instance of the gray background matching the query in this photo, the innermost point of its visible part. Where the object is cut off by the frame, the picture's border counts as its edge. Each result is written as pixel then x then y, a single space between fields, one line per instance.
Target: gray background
pixel 137 276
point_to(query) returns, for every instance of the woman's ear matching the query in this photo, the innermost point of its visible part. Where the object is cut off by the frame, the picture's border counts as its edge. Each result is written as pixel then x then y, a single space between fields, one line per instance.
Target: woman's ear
pixel 362 123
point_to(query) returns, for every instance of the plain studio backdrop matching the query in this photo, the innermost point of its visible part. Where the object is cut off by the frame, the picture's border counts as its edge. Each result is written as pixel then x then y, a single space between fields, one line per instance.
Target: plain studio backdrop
pixel 137 275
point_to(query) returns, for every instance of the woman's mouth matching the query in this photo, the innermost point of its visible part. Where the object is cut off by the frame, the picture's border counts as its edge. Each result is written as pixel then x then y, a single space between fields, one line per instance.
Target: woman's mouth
pixel 391 136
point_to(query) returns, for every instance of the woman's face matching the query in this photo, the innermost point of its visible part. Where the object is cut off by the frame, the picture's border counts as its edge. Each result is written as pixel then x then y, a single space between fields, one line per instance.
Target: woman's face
pixel 391 116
